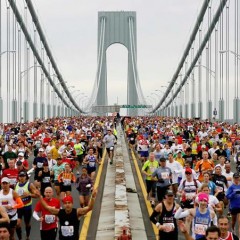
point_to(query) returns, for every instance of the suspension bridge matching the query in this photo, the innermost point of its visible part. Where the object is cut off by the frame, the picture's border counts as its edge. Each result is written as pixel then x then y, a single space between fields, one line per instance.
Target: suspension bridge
pixel 204 85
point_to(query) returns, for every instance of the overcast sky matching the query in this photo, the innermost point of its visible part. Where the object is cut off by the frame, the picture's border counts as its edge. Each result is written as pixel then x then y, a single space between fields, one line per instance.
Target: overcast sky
pixel 163 30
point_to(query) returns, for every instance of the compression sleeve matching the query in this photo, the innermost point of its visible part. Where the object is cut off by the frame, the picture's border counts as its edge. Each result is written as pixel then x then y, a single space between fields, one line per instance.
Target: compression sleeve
pixel 35 215
pixel 153 217
pixel 19 203
pixel 215 220
pixel 180 214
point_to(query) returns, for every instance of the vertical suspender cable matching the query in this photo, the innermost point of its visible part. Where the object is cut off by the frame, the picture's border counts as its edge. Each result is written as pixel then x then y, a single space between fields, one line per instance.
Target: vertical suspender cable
pixel 237 47
pixel 210 53
pixel 19 75
pixel 35 76
pixel 216 68
pixel 221 58
pixel 14 87
pixel 227 61
pixel 8 64
pixel 199 75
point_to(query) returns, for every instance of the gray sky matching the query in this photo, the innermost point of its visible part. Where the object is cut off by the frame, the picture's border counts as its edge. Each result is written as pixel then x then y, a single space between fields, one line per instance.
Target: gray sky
pixel 163 30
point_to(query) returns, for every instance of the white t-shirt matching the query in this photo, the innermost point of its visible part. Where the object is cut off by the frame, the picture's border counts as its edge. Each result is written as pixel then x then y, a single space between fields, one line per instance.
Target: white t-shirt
pixel 229 177
pixel 176 168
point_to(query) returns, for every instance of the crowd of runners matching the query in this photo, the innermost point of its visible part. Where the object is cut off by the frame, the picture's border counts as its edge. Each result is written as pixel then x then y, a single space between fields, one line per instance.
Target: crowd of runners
pixel 191 168
pixel 60 154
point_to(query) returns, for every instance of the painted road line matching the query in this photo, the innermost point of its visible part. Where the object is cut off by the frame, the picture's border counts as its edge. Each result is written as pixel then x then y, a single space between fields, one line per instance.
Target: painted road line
pixel 87 218
pixel 141 182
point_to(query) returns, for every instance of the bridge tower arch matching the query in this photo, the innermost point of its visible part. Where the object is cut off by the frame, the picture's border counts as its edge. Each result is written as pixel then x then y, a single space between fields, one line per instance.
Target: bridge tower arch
pixel 117 27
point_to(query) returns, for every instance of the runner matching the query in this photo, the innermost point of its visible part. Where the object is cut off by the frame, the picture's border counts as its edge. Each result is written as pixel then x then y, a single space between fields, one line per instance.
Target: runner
pixel 66 178
pixel 11 201
pixel 109 139
pixel 166 223
pixel 26 191
pixel 69 216
pixel 203 216
pixel 84 185
pixel 48 222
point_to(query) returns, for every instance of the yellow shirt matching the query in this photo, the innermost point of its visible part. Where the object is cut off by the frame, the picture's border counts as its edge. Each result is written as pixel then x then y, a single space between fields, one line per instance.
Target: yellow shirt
pixel 54 152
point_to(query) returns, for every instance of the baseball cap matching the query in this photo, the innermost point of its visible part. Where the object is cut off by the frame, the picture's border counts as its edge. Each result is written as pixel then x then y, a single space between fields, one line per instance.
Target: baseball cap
pixel 188 170
pixel 203 197
pixel 22 173
pixel 21 154
pixel 41 150
pixel 169 192
pixel 236 175
pixel 67 199
pixel 5 179
pixel 203 146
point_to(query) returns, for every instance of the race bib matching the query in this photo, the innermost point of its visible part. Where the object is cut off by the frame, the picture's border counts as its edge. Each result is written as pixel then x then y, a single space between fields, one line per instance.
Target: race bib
pixel 20 191
pixel 168 227
pixel 67 231
pixel 92 164
pixel 66 182
pixel 46 180
pixel 131 139
pixel 111 148
pixel 220 189
pixel 49 219
pixel 39 165
pixel 152 169
pixel 200 229
pixel 165 175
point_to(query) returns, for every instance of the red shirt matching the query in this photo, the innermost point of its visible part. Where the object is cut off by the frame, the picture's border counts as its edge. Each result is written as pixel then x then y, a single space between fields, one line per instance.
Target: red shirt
pixel 47 216
pixel 12 174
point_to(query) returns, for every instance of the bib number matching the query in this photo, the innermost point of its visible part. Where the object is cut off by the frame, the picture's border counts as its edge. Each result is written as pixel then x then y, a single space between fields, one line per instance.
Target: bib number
pixel 67 231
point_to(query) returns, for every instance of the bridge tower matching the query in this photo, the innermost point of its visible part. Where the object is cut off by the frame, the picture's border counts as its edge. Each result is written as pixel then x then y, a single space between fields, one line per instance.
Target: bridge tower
pixel 117 27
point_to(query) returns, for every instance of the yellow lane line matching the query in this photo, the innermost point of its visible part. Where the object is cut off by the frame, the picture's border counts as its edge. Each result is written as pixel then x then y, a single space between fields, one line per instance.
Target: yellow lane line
pixel 149 208
pixel 87 218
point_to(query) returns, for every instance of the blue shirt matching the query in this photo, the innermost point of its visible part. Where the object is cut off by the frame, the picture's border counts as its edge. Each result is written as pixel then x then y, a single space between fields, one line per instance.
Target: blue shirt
pixel 233 194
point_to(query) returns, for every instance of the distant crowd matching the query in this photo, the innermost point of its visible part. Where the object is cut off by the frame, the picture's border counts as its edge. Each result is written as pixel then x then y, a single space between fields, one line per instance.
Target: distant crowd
pixel 191 168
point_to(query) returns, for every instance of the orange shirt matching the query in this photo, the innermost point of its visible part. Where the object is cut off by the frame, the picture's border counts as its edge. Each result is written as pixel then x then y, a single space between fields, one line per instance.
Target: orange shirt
pixel 203 166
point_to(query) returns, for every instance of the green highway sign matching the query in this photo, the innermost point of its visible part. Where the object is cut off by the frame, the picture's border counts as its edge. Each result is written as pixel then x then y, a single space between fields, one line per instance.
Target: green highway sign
pixel 136 106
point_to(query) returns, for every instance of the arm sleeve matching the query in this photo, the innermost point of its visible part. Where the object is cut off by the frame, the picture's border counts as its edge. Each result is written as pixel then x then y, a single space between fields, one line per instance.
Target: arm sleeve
pixel 154 216
pixel 19 203
pixel 215 220
pixel 35 215
pixel 180 214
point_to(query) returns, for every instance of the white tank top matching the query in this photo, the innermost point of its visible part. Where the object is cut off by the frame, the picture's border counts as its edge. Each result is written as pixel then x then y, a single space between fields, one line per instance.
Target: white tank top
pixel 8 200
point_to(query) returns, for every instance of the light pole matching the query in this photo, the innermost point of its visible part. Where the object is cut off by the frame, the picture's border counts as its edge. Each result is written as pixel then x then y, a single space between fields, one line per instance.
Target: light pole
pixel 236 100
pixel 27 97
pixel 1 100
